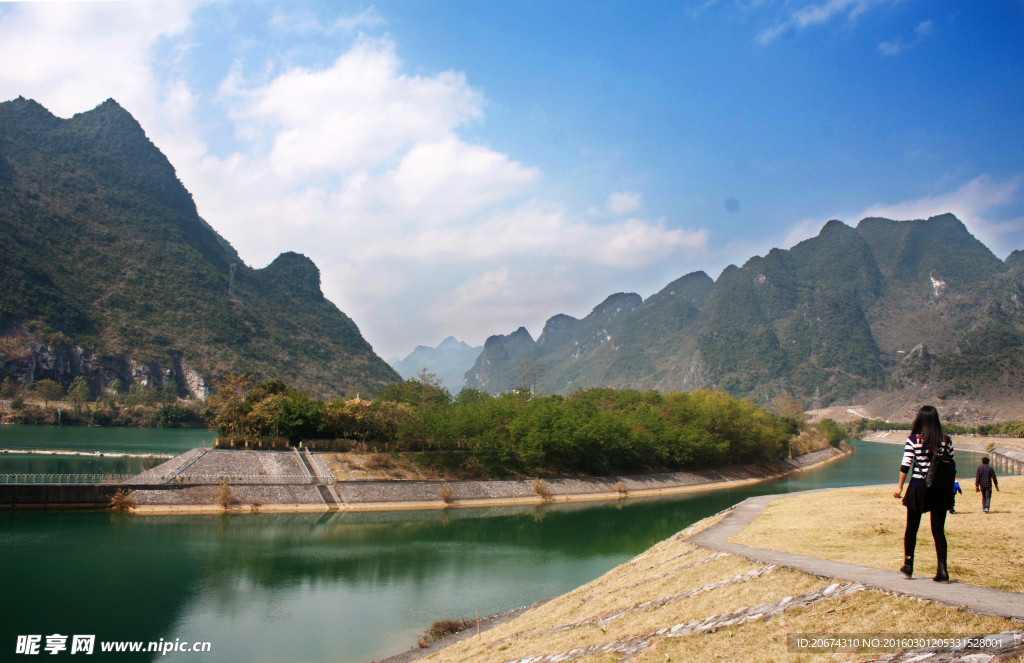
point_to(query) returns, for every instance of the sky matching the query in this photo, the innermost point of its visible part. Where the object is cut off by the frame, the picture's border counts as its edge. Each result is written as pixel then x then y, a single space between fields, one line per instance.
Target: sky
pixel 469 168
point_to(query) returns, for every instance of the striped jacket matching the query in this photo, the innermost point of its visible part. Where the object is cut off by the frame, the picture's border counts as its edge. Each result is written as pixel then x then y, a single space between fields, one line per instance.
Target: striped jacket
pixel 914 449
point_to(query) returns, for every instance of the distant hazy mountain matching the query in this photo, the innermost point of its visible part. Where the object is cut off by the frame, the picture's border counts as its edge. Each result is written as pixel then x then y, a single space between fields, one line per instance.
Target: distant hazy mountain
pixel 107 270
pixel 560 346
pixel 449 361
pixel 885 305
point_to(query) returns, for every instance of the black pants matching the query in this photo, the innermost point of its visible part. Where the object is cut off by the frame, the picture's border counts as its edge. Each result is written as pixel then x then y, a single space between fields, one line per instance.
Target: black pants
pixel 938 518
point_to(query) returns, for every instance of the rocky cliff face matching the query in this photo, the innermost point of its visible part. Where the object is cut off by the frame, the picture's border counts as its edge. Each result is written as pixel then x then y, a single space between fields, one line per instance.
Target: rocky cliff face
pixel 563 340
pixel 34 359
pixel 495 368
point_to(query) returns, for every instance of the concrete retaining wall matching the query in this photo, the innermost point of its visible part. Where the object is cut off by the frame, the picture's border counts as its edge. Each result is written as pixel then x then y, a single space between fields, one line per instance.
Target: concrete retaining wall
pixel 403 490
pixel 48 494
pixel 80 495
pixel 386 494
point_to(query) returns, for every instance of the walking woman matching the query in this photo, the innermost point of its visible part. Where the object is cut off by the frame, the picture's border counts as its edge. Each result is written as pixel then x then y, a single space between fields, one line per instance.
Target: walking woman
pixel 925 442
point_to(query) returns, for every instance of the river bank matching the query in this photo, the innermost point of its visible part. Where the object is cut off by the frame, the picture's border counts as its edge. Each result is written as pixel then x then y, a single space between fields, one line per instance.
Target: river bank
pixel 215 481
pixel 328 494
pixel 686 597
pixel 1007 452
pixel 678 601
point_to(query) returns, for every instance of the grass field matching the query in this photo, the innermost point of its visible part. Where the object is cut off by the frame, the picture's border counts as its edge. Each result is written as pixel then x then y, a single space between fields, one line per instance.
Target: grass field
pixel 644 595
pixel 865 526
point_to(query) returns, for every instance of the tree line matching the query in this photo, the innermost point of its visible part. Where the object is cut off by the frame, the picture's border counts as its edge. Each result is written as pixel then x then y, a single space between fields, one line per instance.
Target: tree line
pixel 136 405
pixel 590 431
pixel 1001 429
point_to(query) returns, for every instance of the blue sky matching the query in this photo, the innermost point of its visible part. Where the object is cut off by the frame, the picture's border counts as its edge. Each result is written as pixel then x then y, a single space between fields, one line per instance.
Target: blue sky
pixel 466 168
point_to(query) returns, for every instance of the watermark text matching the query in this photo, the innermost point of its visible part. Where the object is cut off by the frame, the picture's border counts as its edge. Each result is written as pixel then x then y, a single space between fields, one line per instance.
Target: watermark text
pixel 57 643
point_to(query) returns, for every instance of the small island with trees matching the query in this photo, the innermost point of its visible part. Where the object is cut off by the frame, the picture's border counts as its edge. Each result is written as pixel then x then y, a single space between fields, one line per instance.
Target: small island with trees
pixel 595 432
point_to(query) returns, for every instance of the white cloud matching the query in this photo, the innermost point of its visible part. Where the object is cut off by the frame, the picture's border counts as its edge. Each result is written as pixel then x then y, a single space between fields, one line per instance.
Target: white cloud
pixel 800 231
pixel 70 57
pixel 971 203
pixel 896 46
pixel 441 180
pixel 356 113
pixel 394 179
pixel 348 154
pixel 623 202
pixel 305 21
pixel 815 14
pixel 542 231
pixel 501 300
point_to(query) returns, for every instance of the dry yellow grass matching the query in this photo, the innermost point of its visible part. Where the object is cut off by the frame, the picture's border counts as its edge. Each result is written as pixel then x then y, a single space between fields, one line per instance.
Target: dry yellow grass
pixel 865 526
pixel 15 347
pixel 587 614
pixel 864 612
pixel 374 466
pixel 809 440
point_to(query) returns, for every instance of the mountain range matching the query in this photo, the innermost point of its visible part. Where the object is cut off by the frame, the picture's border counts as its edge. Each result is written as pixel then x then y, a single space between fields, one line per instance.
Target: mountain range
pixel 449 362
pixel 108 271
pixel 850 314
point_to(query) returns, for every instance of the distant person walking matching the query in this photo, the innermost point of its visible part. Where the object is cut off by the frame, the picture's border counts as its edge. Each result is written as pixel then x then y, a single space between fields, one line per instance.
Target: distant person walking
pixel 956 491
pixel 926 441
pixel 983 482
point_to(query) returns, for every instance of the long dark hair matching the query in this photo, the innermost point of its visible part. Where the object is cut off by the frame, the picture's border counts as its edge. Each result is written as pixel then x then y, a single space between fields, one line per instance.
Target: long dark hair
pixel 926 424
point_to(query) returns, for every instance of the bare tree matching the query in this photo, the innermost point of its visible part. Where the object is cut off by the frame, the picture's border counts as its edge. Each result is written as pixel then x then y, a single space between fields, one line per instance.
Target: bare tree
pixel 429 379
pixel 786 405
pixel 530 378
pixel 48 390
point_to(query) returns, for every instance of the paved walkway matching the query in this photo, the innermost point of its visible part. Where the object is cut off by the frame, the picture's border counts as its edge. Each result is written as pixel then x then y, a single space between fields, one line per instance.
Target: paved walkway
pixel 978 599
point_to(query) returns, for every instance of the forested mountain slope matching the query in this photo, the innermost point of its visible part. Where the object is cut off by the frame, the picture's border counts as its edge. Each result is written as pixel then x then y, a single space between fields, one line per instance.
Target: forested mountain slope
pixel 107 270
pixel 851 312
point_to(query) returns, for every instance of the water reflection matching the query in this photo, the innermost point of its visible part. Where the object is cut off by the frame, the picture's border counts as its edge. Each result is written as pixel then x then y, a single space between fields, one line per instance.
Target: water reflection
pixel 15 463
pixel 106 439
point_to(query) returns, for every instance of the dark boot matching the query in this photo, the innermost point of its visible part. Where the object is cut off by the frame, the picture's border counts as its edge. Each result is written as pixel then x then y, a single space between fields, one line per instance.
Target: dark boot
pixel 942 575
pixel 908 566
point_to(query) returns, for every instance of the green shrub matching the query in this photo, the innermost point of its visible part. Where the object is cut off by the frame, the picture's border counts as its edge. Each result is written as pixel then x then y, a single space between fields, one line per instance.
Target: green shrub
pixel 831 431
pixel 9 388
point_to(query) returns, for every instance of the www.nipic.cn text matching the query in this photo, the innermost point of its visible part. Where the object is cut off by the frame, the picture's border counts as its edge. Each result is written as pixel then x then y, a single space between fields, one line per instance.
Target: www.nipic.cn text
pixel 86 644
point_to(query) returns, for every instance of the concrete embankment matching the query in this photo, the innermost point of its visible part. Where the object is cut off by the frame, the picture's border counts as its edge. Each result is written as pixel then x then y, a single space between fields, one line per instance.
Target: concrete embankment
pixel 55 495
pixel 195 481
pixel 377 495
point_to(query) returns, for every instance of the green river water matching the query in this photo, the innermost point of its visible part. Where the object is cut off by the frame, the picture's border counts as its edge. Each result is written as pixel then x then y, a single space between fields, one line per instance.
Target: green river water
pixel 332 587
